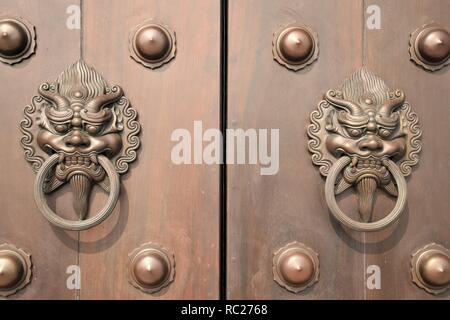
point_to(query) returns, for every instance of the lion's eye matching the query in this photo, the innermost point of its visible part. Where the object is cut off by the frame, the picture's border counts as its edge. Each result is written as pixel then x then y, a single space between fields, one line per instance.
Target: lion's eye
pixel 353 132
pixel 61 128
pixel 93 129
pixel 384 132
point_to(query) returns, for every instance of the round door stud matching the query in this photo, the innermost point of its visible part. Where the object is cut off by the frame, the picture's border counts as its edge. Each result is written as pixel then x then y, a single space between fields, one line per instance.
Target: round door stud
pixel 152 44
pixel 430 268
pixel 295 46
pixel 296 267
pixel 15 269
pixel 430 46
pixel 17 39
pixel 150 268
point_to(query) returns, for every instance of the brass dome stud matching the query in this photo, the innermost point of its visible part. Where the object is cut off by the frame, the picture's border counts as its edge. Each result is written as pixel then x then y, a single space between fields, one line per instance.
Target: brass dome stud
pixel 295 46
pixel 430 46
pixel 15 269
pixel 152 44
pixel 295 267
pixel 430 268
pixel 150 268
pixel 17 39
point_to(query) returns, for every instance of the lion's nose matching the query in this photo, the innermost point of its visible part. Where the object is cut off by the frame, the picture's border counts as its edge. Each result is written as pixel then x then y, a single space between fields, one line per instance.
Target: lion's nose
pixel 76 139
pixel 372 143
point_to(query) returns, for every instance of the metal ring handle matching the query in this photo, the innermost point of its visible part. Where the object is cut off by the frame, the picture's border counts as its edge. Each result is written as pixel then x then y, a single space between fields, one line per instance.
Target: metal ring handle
pixel 364 226
pixel 56 220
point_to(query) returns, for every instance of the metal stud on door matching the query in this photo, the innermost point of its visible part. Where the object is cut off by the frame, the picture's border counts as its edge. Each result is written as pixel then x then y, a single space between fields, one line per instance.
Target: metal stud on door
pixel 17 39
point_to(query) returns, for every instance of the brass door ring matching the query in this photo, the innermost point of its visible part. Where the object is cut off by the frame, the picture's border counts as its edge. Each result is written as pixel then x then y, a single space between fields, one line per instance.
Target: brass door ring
pixel 330 198
pixel 56 220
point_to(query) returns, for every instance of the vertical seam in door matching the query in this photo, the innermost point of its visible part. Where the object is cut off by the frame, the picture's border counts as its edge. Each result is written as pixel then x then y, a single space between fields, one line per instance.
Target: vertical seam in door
pixel 223 166
pixel 364 33
pixel 81 29
pixel 364 62
pixel 364 267
pixel 78 290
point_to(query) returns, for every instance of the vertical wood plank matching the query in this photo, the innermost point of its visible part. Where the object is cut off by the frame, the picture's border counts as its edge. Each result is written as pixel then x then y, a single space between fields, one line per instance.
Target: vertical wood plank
pixel 176 206
pixel 426 217
pixel 267 212
pixel 52 250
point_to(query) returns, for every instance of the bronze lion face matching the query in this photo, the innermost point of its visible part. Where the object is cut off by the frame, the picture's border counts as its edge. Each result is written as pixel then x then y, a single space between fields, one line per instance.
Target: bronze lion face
pixel 366 121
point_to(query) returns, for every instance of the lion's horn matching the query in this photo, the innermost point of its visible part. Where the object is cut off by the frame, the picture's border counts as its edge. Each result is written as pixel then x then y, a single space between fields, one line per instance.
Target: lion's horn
pixel 98 102
pixel 61 102
pixel 395 100
pixel 354 109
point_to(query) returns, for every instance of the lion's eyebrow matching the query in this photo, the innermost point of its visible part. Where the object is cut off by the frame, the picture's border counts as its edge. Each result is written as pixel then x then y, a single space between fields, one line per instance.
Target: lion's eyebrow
pixel 390 121
pixel 98 117
pixel 59 115
pixel 353 121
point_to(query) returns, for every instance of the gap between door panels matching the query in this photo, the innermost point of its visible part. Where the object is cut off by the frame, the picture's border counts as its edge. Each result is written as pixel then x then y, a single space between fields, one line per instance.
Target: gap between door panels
pixel 223 166
pixel 78 291
pixel 364 63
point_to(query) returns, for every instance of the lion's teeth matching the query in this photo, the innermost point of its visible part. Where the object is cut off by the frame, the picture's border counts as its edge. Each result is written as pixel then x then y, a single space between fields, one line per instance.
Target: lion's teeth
pixel 94 159
pixel 61 158
pixel 62 166
pixel 354 161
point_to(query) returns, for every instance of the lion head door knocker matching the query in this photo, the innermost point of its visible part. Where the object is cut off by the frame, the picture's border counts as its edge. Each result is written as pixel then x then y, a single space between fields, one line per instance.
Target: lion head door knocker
pixel 366 136
pixel 80 131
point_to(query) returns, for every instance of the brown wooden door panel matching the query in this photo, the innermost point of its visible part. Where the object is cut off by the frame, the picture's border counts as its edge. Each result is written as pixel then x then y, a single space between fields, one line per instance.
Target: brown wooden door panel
pixel 267 212
pixel 426 217
pixel 176 206
pixel 22 224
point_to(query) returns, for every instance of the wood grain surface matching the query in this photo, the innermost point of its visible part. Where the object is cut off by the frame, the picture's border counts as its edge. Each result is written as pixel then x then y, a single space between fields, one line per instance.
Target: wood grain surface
pixel 176 206
pixel 22 224
pixel 267 212
pixel 426 218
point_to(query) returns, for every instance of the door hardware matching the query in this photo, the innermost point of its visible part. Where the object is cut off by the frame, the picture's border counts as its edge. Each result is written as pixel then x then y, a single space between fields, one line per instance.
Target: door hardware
pixel 82 132
pixel 17 39
pixel 295 46
pixel 366 136
pixel 429 46
pixel 430 268
pixel 152 44
pixel 15 269
pixel 150 267
pixel 295 267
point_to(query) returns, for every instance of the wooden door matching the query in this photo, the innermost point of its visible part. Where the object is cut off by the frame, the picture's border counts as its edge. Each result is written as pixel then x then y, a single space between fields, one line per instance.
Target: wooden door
pixel 175 207
pixel 102 94
pixel 268 212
